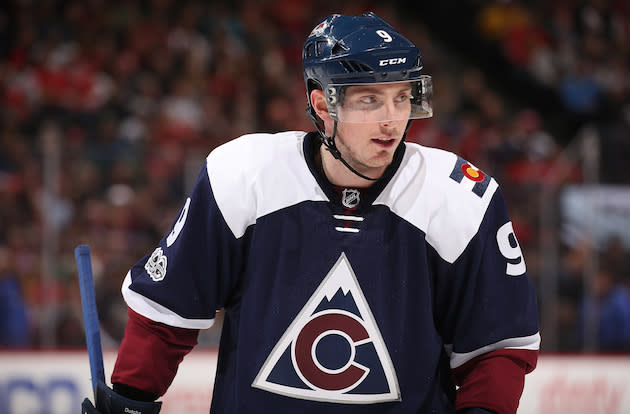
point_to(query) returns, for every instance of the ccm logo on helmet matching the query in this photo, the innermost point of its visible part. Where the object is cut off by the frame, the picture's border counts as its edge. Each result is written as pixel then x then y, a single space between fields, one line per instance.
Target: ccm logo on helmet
pixel 394 61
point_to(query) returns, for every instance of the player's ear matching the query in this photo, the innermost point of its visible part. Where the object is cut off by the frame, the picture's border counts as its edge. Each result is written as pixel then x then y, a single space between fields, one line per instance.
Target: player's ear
pixel 318 102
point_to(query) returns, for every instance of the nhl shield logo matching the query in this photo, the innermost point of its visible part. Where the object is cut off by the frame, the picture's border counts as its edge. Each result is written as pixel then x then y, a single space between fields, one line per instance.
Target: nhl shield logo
pixel 333 350
pixel 350 197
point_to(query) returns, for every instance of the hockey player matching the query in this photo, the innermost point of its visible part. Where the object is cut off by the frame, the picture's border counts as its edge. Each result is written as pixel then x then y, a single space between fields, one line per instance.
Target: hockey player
pixel 358 272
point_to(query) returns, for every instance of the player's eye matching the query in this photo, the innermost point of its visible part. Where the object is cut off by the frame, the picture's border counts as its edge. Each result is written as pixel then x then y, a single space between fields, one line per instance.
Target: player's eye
pixel 402 98
pixel 367 100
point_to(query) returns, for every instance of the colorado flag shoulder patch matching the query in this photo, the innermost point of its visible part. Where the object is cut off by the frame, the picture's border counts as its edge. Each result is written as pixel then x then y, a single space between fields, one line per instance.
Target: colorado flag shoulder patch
pixel 469 176
pixel 333 350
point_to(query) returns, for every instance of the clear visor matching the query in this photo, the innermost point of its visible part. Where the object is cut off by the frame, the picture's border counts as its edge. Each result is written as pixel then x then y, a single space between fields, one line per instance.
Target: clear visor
pixel 381 102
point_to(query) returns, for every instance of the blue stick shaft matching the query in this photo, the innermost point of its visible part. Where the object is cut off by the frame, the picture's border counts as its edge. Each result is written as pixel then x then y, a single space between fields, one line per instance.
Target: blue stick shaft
pixel 90 314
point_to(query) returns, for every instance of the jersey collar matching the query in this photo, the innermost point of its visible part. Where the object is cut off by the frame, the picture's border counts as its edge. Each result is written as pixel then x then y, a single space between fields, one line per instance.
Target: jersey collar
pixel 312 143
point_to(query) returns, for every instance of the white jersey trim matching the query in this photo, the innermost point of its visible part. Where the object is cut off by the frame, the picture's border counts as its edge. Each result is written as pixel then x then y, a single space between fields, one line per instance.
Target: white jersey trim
pixel 531 342
pixel 250 178
pixel 258 174
pixel 158 313
pixel 422 193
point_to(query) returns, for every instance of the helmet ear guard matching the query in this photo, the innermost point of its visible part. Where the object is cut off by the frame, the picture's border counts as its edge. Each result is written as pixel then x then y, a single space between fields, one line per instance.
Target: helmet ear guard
pixel 334 98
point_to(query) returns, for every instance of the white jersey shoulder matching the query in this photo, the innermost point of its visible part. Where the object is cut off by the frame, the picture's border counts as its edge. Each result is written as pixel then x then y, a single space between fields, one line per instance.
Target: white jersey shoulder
pixel 257 174
pixel 440 194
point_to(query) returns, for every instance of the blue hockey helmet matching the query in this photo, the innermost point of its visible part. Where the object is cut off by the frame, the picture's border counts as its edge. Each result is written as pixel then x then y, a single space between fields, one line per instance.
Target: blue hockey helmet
pixel 343 51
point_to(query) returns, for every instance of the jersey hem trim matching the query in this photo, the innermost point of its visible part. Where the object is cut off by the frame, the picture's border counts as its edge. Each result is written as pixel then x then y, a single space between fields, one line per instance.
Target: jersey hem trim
pixel 531 343
pixel 156 312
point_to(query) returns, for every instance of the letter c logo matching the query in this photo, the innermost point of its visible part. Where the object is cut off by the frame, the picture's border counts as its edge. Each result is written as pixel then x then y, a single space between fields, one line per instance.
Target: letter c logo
pixel 323 326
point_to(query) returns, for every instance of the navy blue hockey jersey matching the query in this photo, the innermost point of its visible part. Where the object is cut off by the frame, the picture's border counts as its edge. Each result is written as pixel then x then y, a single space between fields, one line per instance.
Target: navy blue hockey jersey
pixel 334 311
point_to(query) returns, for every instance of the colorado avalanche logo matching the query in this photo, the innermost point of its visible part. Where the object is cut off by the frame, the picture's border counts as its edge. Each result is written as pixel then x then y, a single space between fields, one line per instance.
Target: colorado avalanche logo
pixel 333 350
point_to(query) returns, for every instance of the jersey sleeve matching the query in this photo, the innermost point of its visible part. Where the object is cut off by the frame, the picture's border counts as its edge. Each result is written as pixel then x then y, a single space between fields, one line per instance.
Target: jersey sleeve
pixel 486 309
pixel 192 271
pixel 149 356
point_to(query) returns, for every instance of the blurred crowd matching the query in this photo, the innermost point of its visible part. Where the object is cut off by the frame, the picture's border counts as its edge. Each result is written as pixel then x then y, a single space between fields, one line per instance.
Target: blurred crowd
pixel 579 48
pixel 109 108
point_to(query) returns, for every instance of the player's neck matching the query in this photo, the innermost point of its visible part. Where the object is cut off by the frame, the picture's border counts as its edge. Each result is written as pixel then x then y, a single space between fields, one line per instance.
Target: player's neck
pixel 338 174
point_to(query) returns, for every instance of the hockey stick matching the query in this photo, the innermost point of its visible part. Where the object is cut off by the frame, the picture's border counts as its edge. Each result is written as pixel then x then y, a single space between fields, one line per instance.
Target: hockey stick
pixel 90 315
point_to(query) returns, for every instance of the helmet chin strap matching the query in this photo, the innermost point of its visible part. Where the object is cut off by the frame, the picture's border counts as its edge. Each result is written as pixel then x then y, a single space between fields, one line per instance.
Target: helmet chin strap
pixel 329 143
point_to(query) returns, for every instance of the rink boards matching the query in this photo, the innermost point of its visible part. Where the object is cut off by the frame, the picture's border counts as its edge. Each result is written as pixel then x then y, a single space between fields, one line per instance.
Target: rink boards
pixel 56 383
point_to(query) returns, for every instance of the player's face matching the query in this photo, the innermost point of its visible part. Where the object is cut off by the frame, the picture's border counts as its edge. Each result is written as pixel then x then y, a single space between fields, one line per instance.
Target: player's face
pixel 369 145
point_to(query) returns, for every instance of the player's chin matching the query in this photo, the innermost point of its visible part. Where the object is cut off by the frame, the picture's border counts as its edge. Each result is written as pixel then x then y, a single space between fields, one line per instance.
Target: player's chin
pixel 381 159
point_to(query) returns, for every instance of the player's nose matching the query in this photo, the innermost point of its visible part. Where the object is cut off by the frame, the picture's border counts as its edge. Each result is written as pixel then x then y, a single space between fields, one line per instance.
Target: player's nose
pixel 388 129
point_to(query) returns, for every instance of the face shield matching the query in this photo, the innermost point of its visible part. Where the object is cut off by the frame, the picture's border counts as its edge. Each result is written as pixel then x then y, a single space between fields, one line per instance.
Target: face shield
pixel 381 102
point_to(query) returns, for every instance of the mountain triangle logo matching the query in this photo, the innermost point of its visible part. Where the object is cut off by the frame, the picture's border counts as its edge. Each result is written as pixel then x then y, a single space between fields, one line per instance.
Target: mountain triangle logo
pixel 333 350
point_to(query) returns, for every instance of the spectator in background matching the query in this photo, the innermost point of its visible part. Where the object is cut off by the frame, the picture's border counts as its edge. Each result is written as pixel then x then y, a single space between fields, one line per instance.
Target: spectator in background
pixel 607 312
pixel 579 90
pixel 14 324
